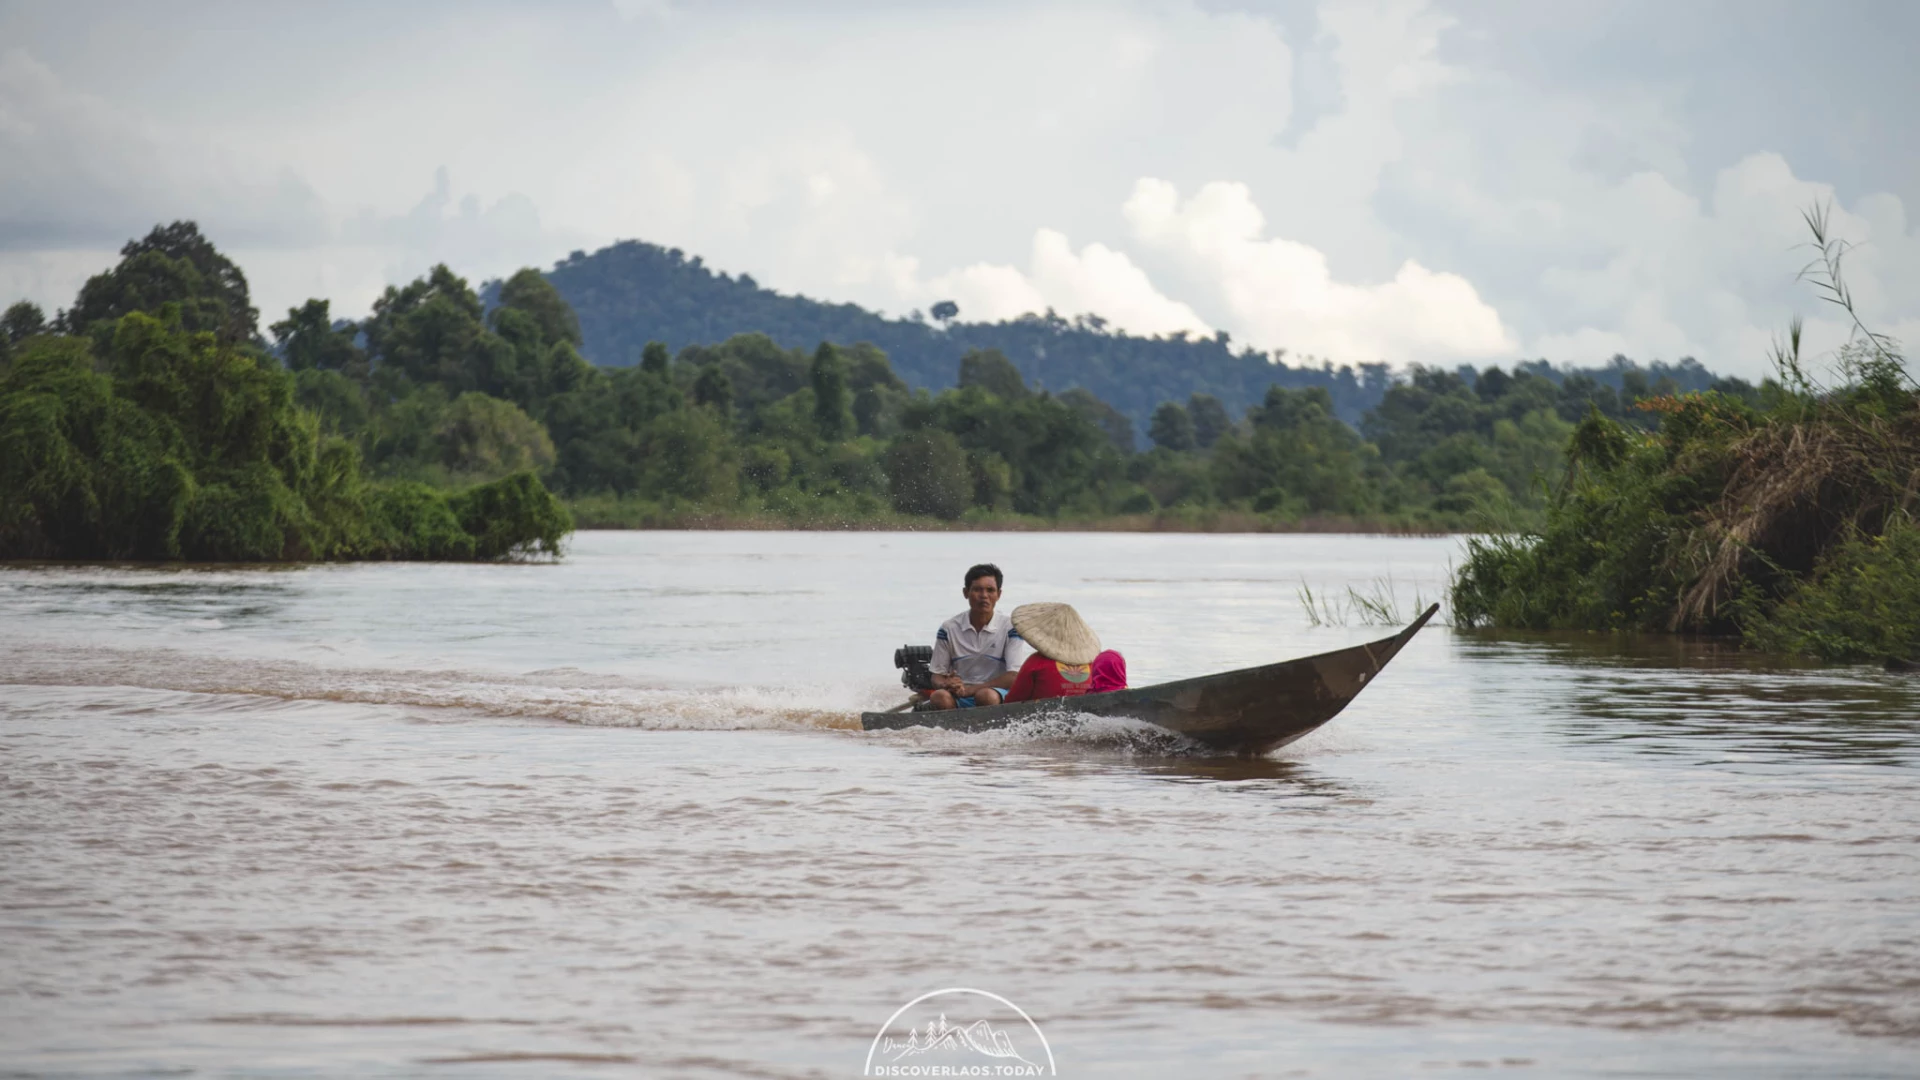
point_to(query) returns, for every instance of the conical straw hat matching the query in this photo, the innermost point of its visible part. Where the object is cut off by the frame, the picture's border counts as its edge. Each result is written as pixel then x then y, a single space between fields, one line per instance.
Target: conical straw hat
pixel 1057 632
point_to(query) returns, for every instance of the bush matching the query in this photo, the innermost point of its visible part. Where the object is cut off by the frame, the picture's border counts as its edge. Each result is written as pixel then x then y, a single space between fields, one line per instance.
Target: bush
pixel 1792 528
pixel 1614 550
pixel 409 520
pixel 1861 603
pixel 512 516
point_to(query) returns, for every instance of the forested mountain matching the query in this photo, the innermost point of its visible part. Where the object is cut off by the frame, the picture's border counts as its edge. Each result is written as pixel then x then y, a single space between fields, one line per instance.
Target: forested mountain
pixel 631 293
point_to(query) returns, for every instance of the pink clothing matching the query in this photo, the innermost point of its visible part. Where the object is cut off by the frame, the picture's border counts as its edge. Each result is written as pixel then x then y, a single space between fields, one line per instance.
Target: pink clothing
pixel 1109 673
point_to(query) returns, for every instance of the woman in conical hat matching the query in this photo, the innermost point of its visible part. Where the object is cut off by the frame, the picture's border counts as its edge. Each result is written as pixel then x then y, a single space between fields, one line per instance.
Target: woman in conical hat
pixel 1064 648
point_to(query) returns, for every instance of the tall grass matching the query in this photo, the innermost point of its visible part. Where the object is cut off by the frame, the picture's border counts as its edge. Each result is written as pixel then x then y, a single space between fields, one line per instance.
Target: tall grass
pixel 1376 605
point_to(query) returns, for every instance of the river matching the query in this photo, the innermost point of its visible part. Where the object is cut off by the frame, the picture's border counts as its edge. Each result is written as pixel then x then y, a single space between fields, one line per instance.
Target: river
pixel 612 816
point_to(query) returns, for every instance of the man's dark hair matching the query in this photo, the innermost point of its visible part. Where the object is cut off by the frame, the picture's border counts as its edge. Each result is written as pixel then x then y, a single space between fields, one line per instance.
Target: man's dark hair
pixel 983 570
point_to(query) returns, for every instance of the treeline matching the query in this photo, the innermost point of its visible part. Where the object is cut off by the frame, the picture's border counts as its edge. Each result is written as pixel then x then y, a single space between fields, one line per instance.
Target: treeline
pixel 439 399
pixel 1786 518
pixel 149 422
pixel 434 387
pixel 632 293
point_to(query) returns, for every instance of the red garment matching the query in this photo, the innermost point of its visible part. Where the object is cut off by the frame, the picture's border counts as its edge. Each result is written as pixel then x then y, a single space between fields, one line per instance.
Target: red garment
pixel 1044 677
pixel 1109 672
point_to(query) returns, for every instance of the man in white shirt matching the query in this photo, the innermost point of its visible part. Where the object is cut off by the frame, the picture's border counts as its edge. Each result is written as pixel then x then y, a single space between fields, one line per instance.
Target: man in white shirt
pixel 977 652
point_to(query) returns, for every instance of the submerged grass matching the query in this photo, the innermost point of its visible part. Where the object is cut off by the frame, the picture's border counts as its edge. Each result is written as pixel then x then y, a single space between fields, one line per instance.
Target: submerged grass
pixel 1377 605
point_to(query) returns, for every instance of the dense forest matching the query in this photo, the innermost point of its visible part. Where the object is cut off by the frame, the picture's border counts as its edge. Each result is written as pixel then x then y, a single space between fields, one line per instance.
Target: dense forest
pixel 633 293
pixel 155 419
pixel 1786 519
pixel 148 422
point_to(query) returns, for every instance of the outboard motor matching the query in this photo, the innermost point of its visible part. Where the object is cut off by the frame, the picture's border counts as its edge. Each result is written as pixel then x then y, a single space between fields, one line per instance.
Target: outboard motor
pixel 913 661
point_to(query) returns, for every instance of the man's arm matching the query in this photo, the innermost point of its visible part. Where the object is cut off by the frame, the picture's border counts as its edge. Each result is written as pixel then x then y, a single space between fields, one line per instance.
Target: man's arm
pixel 941 665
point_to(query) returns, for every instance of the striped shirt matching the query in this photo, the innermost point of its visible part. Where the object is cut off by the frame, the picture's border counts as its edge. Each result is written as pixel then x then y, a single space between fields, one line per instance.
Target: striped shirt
pixel 978 656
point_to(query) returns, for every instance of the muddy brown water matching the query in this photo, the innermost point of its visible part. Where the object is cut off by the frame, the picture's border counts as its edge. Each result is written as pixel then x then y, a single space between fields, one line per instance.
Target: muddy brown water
pixel 609 818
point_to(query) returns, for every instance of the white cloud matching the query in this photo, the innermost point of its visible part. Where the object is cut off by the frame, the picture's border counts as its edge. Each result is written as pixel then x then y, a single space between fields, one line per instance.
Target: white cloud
pixel 1715 278
pixel 81 176
pixel 1096 280
pixel 1463 181
pixel 1281 293
pixel 644 9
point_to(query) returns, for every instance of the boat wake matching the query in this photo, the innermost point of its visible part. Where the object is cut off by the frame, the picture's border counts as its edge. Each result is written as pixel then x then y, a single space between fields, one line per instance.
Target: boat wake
pixel 1080 731
pixel 557 695
pixel 563 695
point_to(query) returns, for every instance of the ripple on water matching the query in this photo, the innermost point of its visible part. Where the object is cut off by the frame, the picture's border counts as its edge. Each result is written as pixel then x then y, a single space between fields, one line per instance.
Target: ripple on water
pixel 303 844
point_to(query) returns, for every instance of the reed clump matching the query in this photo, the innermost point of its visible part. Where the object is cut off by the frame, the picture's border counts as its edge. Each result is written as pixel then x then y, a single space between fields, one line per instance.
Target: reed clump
pixel 1790 524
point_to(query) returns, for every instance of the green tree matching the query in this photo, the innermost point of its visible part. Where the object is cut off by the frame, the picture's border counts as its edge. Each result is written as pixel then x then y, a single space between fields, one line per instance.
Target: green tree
pixel 1172 428
pixel 597 428
pixel 759 371
pixel 84 473
pixel 1210 420
pixel 990 370
pixel 22 321
pixel 832 412
pixel 879 395
pixel 1057 458
pixel 1299 459
pixel 655 358
pixel 544 335
pixel 714 390
pixel 174 264
pixel 307 340
pixel 431 331
pixel 689 455
pixel 529 292
pixel 338 401
pixel 1115 423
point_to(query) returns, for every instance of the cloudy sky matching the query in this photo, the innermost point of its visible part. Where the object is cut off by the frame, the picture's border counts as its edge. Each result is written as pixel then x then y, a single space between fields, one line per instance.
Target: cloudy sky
pixel 1411 181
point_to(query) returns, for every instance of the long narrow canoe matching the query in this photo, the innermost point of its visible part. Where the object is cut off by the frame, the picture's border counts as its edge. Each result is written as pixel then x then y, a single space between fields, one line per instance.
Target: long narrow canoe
pixel 1250 711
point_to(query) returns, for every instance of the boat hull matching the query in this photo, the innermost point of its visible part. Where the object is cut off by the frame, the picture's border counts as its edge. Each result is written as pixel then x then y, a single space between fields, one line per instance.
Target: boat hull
pixel 1250 711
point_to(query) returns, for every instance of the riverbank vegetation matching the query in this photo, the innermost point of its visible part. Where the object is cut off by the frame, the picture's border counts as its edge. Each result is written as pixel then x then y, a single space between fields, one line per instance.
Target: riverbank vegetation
pixel 1788 520
pixel 146 423
pixel 746 434
pixel 154 419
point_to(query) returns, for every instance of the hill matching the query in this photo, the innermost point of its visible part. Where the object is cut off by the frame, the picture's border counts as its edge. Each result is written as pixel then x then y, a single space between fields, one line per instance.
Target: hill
pixel 633 292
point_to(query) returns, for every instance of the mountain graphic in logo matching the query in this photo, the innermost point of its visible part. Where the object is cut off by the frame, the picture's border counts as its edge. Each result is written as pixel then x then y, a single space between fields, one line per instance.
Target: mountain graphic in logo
pixel 979 1037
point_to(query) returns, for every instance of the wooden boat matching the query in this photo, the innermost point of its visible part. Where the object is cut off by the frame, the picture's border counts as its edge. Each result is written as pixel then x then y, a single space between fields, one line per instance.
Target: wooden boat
pixel 1250 711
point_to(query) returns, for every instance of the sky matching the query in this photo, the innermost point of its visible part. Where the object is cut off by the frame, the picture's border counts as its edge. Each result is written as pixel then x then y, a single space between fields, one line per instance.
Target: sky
pixel 1414 181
